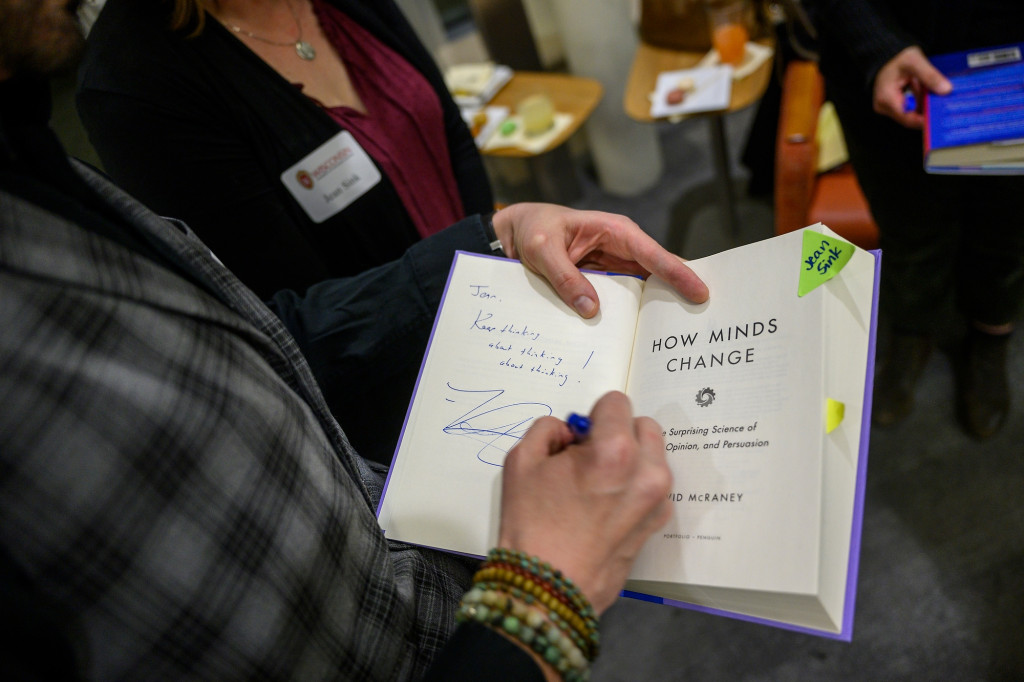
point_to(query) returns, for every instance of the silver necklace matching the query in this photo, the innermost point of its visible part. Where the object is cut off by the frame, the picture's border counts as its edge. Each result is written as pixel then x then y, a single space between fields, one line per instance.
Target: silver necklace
pixel 302 47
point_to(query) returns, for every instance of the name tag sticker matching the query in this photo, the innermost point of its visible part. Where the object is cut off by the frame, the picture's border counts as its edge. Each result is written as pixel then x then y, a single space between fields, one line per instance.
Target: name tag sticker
pixel 326 181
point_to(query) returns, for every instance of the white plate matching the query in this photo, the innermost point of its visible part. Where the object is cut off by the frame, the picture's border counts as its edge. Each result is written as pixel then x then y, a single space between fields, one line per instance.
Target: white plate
pixel 712 90
pixel 495 117
pixel 754 55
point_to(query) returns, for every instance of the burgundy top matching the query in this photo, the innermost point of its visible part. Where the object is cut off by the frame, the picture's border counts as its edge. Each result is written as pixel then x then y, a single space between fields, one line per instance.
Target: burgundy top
pixel 403 127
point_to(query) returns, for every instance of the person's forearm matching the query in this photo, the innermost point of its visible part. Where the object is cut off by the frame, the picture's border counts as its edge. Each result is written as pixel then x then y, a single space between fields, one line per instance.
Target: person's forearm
pixel 382 301
pixel 364 336
pixel 364 330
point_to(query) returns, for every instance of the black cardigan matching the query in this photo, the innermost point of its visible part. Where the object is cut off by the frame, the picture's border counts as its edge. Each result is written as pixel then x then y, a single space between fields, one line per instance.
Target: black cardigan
pixel 201 128
pixel 857 38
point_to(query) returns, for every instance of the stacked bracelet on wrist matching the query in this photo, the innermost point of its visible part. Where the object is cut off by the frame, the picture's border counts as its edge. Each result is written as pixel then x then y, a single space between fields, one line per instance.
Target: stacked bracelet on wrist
pixel 531 602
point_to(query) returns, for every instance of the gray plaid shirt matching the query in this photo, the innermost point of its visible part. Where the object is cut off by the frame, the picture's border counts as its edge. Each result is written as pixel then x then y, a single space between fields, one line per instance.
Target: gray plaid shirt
pixel 171 478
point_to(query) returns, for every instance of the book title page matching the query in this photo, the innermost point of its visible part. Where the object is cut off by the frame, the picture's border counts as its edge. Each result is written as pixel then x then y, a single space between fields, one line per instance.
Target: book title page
pixel 736 384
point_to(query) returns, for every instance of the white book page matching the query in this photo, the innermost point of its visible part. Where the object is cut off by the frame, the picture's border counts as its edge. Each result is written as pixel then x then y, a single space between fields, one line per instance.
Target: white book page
pixel 848 318
pixel 505 351
pixel 736 384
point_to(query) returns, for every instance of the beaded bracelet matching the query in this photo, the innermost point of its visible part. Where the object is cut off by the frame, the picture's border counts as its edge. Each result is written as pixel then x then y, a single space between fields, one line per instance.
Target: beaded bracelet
pixel 537 605
pixel 520 577
pixel 554 590
pixel 542 570
pixel 585 645
pixel 528 626
pixel 509 576
pixel 530 590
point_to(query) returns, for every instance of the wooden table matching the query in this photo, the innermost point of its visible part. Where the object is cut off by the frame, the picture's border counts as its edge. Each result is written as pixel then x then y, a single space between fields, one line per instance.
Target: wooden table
pixel 573 95
pixel 649 61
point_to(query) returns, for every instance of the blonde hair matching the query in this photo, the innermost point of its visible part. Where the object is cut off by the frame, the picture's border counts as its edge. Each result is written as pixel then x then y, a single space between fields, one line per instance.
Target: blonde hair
pixel 189 14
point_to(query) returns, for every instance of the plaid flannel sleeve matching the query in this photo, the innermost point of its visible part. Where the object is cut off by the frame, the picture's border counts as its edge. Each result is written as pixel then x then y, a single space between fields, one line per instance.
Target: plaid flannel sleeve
pixel 171 482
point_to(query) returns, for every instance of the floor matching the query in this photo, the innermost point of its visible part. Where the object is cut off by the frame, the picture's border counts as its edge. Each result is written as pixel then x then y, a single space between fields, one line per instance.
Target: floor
pixel 941 588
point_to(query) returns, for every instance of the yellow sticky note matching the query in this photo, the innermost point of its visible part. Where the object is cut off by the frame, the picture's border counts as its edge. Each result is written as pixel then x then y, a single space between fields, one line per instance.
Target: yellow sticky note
pixel 829 136
pixel 834 411
pixel 822 258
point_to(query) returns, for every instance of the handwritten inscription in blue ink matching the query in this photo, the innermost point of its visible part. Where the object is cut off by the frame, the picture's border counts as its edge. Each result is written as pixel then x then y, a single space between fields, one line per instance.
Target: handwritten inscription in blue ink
pixel 541 354
pixel 480 291
pixel 496 425
pixel 560 377
pixel 823 257
pixel 539 368
pixel 523 331
pixel 483 323
pixel 531 358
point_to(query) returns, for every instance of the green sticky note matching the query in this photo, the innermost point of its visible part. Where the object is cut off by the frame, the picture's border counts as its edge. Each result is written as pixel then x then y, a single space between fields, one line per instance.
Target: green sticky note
pixel 834 412
pixel 822 259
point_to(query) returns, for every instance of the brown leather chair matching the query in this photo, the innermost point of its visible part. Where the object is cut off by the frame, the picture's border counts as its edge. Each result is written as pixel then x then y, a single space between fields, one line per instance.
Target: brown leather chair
pixel 802 195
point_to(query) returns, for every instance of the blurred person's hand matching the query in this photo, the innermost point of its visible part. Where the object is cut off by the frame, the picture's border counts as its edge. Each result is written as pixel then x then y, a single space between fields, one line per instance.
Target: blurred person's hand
pixel 555 242
pixel 911 71
pixel 587 508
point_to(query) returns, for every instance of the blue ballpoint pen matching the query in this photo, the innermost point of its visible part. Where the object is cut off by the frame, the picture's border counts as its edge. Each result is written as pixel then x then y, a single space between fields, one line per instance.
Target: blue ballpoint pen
pixel 909 102
pixel 579 425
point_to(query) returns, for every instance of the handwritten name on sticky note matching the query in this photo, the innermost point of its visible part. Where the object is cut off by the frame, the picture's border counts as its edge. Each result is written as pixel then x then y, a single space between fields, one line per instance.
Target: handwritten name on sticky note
pixel 834 412
pixel 822 258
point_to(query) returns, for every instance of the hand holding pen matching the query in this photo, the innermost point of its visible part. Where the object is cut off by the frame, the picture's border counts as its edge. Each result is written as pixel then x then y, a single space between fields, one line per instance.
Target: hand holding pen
pixel 579 425
pixel 909 71
pixel 589 509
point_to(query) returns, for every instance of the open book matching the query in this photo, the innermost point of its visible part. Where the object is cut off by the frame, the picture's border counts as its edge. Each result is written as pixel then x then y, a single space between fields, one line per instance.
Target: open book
pixel 763 393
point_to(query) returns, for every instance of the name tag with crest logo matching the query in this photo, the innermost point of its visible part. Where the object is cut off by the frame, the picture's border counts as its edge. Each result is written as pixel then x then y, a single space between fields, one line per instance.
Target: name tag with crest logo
pixel 326 181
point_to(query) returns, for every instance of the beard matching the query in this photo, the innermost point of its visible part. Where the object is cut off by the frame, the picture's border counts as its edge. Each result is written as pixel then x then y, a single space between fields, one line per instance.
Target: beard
pixel 40 37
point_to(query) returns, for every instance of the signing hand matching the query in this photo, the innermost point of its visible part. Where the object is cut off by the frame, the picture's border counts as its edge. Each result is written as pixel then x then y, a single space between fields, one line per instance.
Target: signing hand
pixel 588 508
pixel 555 242
pixel 909 69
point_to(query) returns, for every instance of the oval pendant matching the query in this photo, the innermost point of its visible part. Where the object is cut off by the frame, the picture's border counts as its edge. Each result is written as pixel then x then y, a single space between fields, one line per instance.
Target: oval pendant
pixel 305 50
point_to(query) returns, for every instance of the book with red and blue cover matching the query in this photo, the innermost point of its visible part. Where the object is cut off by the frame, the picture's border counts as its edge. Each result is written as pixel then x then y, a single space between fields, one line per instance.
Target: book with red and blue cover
pixel 978 128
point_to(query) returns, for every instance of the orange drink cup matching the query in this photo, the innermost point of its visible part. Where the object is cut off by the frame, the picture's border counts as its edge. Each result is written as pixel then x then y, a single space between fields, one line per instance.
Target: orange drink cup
pixel 729 21
pixel 730 41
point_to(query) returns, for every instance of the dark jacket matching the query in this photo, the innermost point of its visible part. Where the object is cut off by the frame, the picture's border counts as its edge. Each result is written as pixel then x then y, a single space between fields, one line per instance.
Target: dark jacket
pixel 857 37
pixel 201 128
